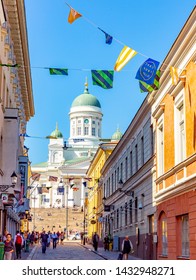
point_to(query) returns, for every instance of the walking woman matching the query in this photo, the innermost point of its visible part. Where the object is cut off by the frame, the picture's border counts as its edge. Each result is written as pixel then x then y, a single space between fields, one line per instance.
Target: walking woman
pixel 127 247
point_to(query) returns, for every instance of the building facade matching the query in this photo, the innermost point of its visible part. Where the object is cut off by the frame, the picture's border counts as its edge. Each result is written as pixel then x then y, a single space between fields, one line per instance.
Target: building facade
pixel 129 189
pixel 17 107
pixel 174 114
pixel 94 209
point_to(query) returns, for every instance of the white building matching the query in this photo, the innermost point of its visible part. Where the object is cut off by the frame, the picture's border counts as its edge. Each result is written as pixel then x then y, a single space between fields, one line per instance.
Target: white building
pixel 69 160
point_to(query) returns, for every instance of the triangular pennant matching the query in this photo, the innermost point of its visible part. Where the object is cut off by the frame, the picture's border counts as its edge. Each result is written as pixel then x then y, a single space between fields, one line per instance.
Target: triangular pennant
pixel 73 15
pixel 124 57
pixel 108 38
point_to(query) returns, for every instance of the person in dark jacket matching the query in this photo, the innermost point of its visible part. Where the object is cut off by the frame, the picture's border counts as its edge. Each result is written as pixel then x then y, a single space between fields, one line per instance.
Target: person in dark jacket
pixel 8 248
pixel 127 247
pixel 44 241
pixel 106 242
pixel 95 241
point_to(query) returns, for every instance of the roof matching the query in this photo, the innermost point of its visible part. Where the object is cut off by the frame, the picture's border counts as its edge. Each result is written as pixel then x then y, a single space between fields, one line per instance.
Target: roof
pixel 86 99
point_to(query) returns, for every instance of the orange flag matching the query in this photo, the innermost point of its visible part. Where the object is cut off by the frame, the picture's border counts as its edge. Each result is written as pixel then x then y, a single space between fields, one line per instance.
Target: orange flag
pixel 73 15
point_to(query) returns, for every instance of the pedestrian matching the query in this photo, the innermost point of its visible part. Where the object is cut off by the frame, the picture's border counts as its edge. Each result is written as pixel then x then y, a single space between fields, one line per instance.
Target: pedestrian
pixel 44 240
pixel 9 247
pixel 95 241
pixel 18 242
pixel 62 237
pixel 106 242
pixel 127 247
pixel 54 239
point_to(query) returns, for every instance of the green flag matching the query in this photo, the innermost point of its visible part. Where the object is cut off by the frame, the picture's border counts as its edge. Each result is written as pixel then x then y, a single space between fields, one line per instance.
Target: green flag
pixel 103 78
pixel 9 65
pixel 58 71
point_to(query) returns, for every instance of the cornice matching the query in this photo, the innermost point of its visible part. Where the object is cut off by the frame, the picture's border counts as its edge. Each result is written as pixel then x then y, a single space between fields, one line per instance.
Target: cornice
pixel 17 20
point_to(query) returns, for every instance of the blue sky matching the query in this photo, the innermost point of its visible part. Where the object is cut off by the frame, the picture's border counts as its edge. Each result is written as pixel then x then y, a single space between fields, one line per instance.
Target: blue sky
pixel 149 27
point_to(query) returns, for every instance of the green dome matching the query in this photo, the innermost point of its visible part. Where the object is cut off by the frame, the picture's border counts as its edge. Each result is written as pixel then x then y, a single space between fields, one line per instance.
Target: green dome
pixel 117 135
pixel 56 133
pixel 86 99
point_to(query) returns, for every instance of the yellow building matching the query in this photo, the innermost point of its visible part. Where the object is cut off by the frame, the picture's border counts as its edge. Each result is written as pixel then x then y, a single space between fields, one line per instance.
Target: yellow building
pixel 174 111
pixel 94 210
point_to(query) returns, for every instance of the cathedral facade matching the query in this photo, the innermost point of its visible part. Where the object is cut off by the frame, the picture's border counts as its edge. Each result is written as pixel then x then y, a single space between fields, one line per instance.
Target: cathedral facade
pixel 61 180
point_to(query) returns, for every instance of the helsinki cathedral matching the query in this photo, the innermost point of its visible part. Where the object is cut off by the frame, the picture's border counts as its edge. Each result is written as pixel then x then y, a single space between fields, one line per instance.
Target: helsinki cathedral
pixel 62 177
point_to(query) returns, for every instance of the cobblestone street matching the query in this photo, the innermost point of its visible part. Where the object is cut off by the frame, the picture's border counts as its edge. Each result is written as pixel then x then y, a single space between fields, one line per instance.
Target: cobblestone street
pixel 67 251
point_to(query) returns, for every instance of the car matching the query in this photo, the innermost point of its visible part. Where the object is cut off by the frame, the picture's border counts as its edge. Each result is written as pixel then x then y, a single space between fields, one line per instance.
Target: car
pixel 75 236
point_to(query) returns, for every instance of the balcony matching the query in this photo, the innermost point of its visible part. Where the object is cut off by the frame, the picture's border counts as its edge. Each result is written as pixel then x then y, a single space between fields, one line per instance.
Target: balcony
pixel 177 180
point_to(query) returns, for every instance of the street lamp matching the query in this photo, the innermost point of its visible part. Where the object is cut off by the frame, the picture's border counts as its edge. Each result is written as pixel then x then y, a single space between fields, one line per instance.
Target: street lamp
pixel 4 188
pixel 67 209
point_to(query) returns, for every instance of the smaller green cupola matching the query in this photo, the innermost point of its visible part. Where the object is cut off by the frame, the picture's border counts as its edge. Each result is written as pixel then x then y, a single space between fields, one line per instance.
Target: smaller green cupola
pixel 56 133
pixel 117 135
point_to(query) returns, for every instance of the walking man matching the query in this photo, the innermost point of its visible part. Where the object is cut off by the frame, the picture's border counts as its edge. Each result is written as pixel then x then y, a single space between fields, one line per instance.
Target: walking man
pixel 54 239
pixel 18 242
pixel 44 240
pixel 95 241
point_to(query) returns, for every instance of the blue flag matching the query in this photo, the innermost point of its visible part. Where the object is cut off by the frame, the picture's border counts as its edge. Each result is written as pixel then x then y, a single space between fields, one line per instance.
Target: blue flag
pixel 147 71
pixel 108 38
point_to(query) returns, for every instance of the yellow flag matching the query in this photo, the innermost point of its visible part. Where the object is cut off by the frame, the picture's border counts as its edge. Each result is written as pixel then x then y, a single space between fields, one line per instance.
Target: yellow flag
pixel 73 15
pixel 124 57
pixel 174 75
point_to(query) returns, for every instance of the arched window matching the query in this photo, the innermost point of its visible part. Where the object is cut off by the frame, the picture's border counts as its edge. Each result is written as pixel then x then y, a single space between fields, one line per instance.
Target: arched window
pixel 163 234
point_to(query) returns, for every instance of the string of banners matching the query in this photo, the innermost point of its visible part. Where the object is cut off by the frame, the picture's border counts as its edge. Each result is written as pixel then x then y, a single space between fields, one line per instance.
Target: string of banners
pixel 148 73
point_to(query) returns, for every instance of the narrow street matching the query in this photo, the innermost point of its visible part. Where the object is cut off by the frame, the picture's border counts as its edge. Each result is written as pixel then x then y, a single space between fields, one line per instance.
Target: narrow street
pixel 67 251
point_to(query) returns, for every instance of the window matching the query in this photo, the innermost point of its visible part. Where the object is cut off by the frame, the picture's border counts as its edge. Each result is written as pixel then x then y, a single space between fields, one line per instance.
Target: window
pixel 93 131
pixel 180 133
pixel 164 237
pixel 86 131
pixel 142 150
pixel 93 122
pixel 126 214
pixel 43 199
pixel 115 186
pixel 130 212
pixel 131 163
pixel 136 211
pixel 112 187
pixel 136 158
pixel 121 171
pixel 152 139
pixel 79 130
pixel 117 218
pixel 121 213
pixel 126 169
pixel 141 207
pixel 185 235
pixel 118 175
pixel 79 121
pixel 160 148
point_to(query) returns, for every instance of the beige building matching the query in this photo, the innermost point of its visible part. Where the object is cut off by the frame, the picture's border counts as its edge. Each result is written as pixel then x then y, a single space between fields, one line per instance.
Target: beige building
pixel 16 108
pixel 129 188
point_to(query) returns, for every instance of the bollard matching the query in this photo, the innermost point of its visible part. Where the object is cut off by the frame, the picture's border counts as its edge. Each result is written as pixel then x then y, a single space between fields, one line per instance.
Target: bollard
pixel 2 245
